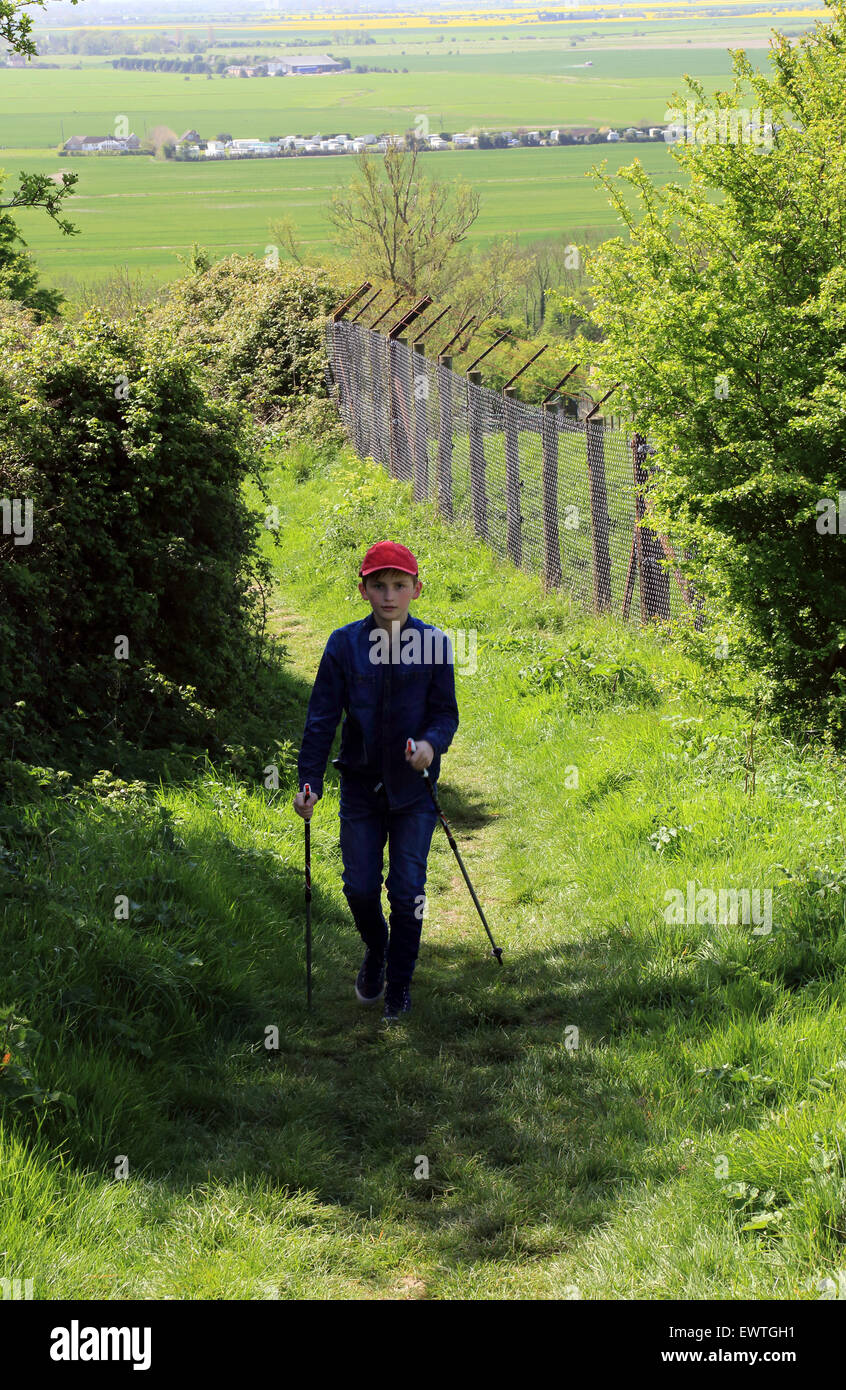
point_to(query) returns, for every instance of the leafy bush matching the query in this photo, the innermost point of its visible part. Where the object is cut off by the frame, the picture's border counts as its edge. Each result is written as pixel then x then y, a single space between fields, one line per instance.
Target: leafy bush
pixel 18 1082
pixel 139 531
pixel 723 317
pixel 258 333
pixel 589 679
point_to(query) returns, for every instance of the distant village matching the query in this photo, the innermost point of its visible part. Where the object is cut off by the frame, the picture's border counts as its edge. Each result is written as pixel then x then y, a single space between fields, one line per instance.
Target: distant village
pixel 191 144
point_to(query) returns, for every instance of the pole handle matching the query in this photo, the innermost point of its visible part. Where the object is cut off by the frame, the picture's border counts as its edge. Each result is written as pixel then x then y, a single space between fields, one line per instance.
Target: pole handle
pixel 411 747
pixel 307 790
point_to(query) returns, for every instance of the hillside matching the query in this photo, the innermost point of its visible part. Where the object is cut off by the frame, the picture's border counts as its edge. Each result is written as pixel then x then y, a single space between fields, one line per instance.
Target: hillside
pixel 631 1108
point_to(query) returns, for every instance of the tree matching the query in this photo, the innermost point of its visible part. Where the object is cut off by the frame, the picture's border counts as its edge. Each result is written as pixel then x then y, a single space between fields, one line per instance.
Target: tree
pixel 285 233
pixel 481 285
pixel 724 316
pixel 553 264
pixel 398 226
pixel 16 25
pixel 18 275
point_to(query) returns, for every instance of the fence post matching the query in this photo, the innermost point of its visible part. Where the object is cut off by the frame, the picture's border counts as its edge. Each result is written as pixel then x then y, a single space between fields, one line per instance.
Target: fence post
pixel 355 385
pixel 445 437
pixel 345 404
pixel 551 541
pixel 377 363
pixel 421 423
pixel 392 408
pixel 476 452
pixel 513 519
pixel 402 391
pixel 654 580
pixel 365 403
pixel 599 518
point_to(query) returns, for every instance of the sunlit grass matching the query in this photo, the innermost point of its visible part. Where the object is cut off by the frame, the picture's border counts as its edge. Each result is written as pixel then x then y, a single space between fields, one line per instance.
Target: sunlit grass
pixel 628 1109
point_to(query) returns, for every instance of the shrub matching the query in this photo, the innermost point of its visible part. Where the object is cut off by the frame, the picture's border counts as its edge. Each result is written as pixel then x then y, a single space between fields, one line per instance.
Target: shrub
pixel 257 331
pixel 139 530
pixel 723 318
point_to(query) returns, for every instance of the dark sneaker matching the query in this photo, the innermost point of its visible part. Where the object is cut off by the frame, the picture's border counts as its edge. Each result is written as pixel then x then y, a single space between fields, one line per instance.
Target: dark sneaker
pixel 370 982
pixel 397 1002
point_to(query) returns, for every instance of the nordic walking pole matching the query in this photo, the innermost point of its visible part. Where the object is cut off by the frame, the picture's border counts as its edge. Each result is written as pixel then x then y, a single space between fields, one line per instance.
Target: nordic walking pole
pixel 411 747
pixel 307 794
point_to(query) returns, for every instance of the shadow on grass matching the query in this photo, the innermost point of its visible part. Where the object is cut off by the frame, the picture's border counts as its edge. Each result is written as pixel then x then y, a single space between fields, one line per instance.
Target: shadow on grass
pixel 159 1027
pixel 183 1035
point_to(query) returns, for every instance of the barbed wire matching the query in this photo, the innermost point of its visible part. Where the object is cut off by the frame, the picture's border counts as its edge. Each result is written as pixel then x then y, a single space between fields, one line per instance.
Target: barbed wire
pixel 561 496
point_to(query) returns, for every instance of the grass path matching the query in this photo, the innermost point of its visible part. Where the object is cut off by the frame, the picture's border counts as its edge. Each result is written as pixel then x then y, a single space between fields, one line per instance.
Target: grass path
pixel 629 1108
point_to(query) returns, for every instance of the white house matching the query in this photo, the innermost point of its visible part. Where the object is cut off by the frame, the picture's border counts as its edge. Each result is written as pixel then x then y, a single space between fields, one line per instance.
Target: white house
pixel 101 144
pixel 613 135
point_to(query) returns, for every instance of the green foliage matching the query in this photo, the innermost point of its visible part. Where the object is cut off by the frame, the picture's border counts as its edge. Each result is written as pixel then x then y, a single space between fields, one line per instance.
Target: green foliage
pixel 139 529
pixel 587 677
pixel 724 319
pixel 18 1083
pixel 16 25
pixel 399 226
pixel 18 271
pixel 257 332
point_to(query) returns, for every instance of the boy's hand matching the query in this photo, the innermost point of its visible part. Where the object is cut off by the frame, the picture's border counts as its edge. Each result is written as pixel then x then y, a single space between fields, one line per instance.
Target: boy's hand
pixel 422 755
pixel 304 805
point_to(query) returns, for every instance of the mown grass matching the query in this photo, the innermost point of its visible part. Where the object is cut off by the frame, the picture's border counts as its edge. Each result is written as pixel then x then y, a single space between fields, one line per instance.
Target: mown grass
pixel 685 1142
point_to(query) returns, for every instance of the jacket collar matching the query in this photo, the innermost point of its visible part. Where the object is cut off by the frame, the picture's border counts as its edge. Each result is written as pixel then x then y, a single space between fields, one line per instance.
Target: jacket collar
pixel 368 623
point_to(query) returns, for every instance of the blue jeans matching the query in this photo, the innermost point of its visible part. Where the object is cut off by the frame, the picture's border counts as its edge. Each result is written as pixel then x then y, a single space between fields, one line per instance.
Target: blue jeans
pixel 366 823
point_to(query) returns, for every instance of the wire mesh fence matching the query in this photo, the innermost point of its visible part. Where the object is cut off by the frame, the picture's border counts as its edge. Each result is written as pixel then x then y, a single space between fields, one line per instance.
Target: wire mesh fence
pixel 562 497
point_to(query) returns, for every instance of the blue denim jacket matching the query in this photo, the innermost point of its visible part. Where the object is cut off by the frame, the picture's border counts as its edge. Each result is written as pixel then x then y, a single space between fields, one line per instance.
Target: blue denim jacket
pixel 386 702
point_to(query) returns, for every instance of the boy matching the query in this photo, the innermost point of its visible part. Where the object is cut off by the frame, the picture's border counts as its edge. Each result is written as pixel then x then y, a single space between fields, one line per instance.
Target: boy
pixel 394 677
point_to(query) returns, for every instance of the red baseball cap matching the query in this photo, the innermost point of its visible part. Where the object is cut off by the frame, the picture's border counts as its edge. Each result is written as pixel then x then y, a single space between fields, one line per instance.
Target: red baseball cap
pixel 387 555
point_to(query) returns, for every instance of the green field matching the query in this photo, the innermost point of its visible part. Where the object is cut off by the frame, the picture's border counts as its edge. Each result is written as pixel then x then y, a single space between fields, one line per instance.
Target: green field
pixel 142 213
pixel 43 107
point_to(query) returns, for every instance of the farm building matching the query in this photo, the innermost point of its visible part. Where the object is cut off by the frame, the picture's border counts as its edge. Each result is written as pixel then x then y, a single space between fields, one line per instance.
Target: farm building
pixel 293 65
pixel 101 144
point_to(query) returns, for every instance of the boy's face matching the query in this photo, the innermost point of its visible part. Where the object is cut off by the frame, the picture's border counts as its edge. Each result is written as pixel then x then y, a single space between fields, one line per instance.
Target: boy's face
pixel 389 593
